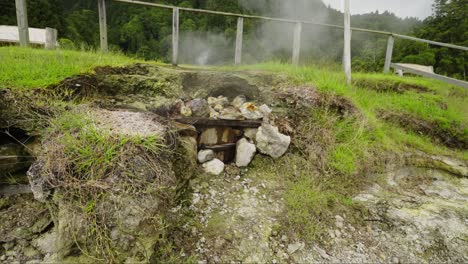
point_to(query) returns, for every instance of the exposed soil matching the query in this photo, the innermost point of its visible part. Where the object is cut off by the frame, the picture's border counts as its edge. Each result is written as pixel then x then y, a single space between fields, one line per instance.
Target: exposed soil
pixel 26 110
pixel 452 135
pixel 22 221
pixel 389 86
pixel 306 96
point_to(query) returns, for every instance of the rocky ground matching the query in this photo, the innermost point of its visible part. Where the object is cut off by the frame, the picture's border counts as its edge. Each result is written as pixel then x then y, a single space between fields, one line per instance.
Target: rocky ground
pixel 414 215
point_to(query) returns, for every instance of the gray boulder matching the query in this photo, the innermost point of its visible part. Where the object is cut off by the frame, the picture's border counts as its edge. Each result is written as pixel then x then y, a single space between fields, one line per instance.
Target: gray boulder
pixel 199 107
pixel 245 152
pixel 271 142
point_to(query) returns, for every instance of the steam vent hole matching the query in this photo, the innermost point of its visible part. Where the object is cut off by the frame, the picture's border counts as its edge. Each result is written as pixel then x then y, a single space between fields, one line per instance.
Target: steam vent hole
pixel 221 136
pixel 228 131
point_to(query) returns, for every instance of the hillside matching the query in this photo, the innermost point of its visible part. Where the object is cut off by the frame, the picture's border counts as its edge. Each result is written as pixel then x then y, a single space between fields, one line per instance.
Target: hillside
pixel 375 171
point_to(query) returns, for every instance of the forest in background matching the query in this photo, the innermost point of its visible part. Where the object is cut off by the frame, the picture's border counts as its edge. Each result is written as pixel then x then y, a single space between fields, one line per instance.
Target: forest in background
pixel 209 39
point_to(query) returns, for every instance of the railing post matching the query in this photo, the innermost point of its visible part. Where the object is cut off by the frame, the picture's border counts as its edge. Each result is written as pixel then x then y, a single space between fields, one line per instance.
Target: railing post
pixel 50 38
pixel 388 57
pixel 175 35
pixel 240 32
pixel 22 20
pixel 347 42
pixel 297 43
pixel 103 24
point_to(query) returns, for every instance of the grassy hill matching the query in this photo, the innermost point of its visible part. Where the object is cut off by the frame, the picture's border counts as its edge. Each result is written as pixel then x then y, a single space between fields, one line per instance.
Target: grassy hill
pixel 34 68
pixel 440 109
pixel 341 134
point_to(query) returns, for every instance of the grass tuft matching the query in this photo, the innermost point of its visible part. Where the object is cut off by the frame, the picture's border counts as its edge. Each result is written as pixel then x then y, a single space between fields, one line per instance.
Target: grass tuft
pixel 23 68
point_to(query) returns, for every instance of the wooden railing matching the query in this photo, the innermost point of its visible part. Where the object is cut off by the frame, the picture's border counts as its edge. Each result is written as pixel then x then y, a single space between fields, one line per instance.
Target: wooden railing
pixel 297 30
pixel 24 37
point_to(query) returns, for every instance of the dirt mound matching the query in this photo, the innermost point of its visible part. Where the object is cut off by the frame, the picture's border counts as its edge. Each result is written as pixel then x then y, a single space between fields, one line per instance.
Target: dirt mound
pixel 151 81
pixel 28 111
pixel 136 69
pixel 109 177
pixel 389 86
pixel 306 96
pixel 453 135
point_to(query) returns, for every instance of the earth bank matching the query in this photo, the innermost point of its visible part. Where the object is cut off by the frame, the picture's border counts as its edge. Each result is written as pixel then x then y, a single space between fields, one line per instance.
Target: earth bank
pixel 117 182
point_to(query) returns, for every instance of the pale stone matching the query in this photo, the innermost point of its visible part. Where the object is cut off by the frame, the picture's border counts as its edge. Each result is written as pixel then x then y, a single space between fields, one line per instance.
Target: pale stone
pixel 214 167
pixel 265 110
pixel 292 248
pixel 271 142
pixel 46 243
pixel 245 151
pixel 199 107
pixel 251 133
pixel 214 114
pixel 218 108
pixel 231 113
pixel 205 155
pixel 250 111
pixel 185 111
pixel 238 101
pixel 209 137
pixel 220 100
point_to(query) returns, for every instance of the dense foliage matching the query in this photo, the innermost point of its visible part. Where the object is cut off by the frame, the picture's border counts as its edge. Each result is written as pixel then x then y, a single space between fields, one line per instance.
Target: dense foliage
pixel 207 39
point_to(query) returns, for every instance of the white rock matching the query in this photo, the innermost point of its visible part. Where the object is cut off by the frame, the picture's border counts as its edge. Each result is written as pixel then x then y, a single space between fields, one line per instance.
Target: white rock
pixel 220 100
pixel 46 243
pixel 185 111
pixel 238 101
pixel 292 248
pixel 214 167
pixel 195 198
pixel 245 151
pixel 251 111
pixel 205 155
pixel 265 110
pixel 218 108
pixel 271 142
pixel 251 133
pixel 231 113
pixel 214 114
pixel 339 221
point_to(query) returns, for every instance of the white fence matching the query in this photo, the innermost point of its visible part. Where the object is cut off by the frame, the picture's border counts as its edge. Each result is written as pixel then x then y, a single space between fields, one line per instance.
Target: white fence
pixel 46 37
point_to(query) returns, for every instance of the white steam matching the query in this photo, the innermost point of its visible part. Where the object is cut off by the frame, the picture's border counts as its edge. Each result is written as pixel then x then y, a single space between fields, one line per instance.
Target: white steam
pixel 269 40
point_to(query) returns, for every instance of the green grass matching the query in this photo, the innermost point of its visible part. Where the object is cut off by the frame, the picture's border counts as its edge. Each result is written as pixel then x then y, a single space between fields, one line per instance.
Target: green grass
pixel 427 106
pixel 23 68
pixel 316 189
